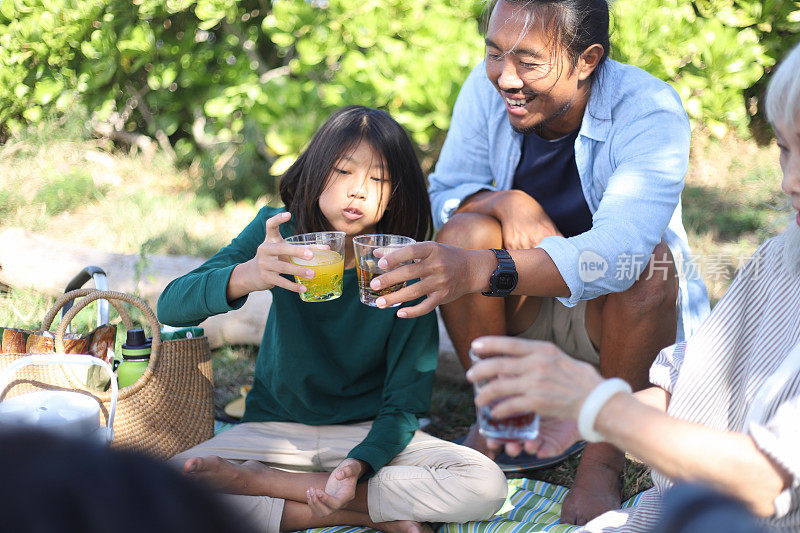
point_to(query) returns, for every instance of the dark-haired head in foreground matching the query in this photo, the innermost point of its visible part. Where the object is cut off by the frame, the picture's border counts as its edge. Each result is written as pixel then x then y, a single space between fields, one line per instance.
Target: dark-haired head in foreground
pixel 51 484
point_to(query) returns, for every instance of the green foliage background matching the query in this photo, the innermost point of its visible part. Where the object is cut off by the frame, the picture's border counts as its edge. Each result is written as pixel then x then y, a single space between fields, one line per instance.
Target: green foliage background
pixel 235 88
pixel 716 53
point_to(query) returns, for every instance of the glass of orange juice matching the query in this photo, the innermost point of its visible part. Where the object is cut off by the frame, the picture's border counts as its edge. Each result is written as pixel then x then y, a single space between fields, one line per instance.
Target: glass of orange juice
pixel 327 264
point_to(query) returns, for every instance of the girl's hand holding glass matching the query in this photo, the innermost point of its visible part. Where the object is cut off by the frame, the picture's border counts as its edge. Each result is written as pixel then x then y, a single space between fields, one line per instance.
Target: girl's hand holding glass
pixel 327 264
pixel 263 271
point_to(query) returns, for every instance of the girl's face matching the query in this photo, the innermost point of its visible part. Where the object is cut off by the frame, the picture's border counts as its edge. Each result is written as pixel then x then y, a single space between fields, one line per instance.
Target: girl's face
pixel 789 143
pixel 357 191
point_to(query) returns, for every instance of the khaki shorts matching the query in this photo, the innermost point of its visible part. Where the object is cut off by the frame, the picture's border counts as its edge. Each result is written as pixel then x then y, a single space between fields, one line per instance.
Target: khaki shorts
pixel 432 480
pixel 566 328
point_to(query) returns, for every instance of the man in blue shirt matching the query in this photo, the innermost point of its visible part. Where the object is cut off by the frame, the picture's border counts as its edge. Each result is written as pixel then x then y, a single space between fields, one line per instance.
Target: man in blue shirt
pixel 574 164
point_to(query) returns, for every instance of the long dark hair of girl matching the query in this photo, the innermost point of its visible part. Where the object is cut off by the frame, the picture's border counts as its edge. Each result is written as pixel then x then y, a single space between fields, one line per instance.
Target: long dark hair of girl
pixel 408 211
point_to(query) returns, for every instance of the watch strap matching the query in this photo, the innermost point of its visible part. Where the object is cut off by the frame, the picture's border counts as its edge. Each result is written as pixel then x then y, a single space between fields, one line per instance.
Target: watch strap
pixel 504 259
pixel 505 265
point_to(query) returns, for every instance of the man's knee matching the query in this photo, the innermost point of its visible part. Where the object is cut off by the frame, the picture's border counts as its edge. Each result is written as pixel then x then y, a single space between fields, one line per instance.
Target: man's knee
pixel 471 230
pixel 657 287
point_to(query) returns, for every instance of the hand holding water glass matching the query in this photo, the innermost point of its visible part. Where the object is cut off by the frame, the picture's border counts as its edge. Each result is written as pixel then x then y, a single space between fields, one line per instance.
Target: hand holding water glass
pixel 367 264
pixel 514 428
pixel 327 264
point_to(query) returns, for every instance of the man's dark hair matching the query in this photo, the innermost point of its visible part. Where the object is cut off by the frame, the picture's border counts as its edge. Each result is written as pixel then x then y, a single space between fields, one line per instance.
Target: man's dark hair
pixel 575 24
pixel 408 211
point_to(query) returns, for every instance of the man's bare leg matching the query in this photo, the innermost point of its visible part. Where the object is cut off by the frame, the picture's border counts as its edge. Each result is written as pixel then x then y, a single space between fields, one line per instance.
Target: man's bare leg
pixel 630 329
pixel 475 315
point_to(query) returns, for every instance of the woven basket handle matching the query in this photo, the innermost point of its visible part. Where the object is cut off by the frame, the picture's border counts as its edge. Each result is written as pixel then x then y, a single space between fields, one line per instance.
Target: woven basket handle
pixel 111 296
pixel 67 297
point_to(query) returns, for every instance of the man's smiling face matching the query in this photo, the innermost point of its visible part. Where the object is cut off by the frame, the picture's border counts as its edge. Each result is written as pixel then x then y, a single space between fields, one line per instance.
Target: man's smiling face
pixel 542 90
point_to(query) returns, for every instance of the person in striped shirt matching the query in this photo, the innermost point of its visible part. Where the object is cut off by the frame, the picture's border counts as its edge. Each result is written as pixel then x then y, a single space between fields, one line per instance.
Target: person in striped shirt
pixel 725 406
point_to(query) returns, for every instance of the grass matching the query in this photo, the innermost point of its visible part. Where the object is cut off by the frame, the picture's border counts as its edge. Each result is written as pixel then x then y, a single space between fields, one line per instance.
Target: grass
pixel 732 203
pixel 84 192
pixel 233 368
pixel 65 193
pixel 80 190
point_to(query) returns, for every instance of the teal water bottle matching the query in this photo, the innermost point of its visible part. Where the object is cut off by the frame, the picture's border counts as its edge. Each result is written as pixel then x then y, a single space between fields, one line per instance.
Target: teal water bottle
pixel 135 357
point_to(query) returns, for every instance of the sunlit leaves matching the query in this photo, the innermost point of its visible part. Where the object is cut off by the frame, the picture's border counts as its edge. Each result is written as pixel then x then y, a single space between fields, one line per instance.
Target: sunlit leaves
pixel 710 59
pixel 239 86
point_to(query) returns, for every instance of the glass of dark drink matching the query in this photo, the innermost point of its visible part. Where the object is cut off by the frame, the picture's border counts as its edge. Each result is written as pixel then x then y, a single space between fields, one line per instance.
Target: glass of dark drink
pixel 367 264
pixel 513 428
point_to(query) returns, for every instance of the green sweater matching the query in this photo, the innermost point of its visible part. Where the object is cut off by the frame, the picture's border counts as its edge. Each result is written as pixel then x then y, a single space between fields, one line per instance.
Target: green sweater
pixel 335 362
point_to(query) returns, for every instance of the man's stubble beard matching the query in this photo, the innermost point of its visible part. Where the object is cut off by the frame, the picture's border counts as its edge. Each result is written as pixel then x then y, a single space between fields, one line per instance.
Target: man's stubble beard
pixel 540 128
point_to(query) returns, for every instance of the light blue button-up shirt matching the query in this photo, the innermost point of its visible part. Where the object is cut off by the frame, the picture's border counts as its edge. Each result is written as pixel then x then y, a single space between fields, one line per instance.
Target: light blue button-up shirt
pixel 632 154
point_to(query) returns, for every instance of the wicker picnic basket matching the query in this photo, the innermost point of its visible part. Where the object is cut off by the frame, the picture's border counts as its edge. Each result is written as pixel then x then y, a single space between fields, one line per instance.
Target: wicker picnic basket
pixel 170 407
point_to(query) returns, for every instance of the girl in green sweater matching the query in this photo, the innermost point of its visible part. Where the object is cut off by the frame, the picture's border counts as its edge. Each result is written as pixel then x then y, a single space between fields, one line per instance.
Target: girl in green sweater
pixel 330 431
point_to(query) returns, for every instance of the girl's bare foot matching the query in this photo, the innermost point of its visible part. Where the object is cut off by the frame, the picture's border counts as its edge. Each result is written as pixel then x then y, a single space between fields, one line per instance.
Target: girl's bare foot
pixel 250 477
pixel 403 526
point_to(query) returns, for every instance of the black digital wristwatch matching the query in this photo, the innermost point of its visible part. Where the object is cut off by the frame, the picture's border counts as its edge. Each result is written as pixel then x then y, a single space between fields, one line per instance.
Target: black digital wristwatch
pixel 504 278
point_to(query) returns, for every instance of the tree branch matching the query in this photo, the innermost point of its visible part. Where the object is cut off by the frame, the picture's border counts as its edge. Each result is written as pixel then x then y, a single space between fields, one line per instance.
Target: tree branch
pixel 137 140
pixel 161 137
pixel 203 139
pixel 274 73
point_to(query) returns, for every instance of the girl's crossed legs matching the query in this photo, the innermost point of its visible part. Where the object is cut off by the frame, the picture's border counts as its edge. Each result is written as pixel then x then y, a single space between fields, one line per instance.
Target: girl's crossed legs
pixel 266 467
